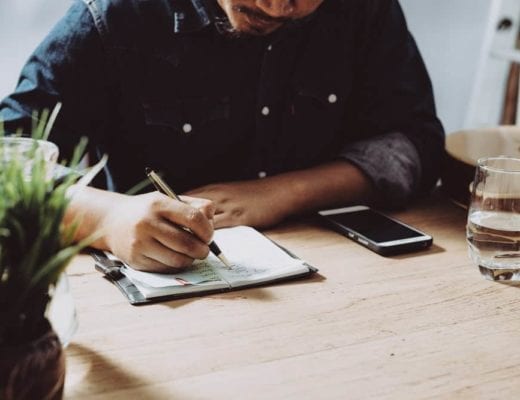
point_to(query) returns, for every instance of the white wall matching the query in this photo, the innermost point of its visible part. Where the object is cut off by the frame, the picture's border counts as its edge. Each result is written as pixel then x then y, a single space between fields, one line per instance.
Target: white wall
pixel 450 35
pixel 457 38
pixel 23 24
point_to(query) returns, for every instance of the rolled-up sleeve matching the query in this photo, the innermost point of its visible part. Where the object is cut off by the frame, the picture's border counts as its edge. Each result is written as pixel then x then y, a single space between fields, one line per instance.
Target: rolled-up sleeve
pixel 400 140
pixel 392 164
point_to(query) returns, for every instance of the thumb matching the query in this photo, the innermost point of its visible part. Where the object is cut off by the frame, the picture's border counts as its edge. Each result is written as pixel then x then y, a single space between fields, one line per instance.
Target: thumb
pixel 206 206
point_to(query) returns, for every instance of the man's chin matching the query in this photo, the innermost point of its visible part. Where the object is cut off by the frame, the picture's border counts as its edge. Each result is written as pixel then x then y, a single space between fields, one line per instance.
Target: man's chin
pixel 254 28
pixel 257 32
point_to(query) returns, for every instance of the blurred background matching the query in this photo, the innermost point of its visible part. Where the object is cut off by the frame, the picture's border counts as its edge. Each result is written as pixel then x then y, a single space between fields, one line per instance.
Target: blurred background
pixel 469 47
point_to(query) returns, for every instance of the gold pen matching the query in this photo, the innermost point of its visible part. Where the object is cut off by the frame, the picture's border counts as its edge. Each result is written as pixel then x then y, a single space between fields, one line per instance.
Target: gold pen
pixel 162 187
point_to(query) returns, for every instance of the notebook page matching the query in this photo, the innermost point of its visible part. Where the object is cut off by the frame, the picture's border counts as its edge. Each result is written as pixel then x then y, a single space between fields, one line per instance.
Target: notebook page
pixel 254 257
pixel 198 278
pixel 200 272
pixel 204 287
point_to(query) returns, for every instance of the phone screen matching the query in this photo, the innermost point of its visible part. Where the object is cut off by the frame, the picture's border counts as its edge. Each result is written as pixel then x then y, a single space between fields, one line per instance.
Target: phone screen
pixel 374 226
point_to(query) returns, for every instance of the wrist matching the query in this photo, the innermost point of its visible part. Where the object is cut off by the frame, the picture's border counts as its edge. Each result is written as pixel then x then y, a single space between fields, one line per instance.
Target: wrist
pixel 91 209
pixel 289 193
pixel 327 185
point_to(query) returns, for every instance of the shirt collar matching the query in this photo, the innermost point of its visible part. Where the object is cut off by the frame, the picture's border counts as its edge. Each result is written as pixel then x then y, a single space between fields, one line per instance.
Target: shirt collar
pixel 195 15
pixel 191 15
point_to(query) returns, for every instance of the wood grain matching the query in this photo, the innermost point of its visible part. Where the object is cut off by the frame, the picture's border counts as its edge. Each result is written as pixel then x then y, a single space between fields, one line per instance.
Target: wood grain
pixel 420 326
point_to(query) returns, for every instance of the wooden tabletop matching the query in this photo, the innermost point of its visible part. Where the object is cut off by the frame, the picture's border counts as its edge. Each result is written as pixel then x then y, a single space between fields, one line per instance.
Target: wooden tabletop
pixel 420 326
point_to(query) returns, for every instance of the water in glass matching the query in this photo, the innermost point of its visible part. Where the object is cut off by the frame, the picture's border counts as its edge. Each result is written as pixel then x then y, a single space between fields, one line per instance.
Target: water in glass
pixel 493 229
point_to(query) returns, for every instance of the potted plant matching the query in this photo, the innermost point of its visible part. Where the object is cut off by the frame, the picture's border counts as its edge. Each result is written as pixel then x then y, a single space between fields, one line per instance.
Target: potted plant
pixel 35 248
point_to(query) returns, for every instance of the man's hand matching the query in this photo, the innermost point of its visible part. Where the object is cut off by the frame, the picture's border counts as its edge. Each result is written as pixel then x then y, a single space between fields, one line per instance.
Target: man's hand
pixel 258 203
pixel 146 231
pixel 265 202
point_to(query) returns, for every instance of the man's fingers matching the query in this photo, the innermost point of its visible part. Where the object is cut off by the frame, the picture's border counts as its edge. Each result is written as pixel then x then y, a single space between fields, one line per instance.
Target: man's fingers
pixel 223 220
pixel 205 205
pixel 179 240
pixel 189 217
pixel 149 264
pixel 161 257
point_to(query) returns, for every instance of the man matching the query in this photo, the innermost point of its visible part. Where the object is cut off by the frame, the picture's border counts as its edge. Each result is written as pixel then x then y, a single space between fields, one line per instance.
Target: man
pixel 267 108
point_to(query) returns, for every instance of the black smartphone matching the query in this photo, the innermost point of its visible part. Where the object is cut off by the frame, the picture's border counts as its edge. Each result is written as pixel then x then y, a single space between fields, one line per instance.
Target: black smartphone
pixel 376 231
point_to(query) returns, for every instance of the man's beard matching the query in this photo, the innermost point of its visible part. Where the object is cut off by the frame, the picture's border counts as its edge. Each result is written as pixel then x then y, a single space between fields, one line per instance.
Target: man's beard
pixel 224 26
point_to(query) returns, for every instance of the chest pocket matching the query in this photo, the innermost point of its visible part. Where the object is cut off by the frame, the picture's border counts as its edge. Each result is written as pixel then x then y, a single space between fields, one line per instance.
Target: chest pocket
pixel 178 99
pixel 312 123
pixel 324 105
pixel 184 118
pixel 187 129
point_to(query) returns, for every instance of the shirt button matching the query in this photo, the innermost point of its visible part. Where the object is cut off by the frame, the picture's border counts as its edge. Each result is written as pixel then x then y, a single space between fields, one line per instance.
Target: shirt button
pixel 270 47
pixel 333 98
pixel 187 128
pixel 265 111
pixel 262 174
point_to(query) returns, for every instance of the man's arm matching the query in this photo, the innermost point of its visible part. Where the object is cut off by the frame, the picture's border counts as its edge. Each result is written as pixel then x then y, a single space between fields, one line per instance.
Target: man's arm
pixel 396 157
pixel 70 66
pixel 395 109
pixel 266 202
pixel 147 231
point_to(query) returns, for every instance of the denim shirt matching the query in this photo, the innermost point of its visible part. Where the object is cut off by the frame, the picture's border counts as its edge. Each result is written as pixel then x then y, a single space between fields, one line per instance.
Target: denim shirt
pixel 157 83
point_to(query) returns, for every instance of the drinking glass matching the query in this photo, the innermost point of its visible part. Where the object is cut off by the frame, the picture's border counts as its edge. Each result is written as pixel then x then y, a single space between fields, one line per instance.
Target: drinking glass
pixel 61 311
pixel 493 229
pixel 25 150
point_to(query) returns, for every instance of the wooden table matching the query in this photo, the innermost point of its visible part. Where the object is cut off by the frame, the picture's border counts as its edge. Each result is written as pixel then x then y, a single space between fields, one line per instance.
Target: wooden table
pixel 420 326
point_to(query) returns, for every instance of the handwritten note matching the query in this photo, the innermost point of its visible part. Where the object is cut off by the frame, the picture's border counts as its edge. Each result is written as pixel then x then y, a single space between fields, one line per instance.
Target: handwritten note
pixel 200 272
pixel 254 257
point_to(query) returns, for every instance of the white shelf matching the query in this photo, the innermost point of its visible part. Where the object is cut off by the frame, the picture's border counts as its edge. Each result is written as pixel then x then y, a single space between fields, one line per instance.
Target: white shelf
pixel 498 52
pixel 506 55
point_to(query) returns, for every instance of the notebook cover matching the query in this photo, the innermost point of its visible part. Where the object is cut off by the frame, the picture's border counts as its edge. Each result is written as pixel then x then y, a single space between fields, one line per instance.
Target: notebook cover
pixel 111 270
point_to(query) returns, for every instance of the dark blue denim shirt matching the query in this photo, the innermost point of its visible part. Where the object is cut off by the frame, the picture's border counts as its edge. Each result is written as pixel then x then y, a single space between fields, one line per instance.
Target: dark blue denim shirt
pixel 157 83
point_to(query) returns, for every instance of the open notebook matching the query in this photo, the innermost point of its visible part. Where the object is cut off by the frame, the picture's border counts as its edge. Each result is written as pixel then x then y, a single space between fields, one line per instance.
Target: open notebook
pixel 256 260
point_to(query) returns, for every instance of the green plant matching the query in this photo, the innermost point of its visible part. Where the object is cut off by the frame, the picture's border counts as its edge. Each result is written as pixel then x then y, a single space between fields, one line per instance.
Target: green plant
pixel 35 245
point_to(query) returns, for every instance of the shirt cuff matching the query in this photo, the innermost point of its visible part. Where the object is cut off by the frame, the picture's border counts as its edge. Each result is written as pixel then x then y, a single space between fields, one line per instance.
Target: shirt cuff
pixel 392 163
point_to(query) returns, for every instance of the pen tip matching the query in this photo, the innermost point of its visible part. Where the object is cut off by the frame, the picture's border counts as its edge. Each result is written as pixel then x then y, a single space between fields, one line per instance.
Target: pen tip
pixel 224 260
pixel 148 170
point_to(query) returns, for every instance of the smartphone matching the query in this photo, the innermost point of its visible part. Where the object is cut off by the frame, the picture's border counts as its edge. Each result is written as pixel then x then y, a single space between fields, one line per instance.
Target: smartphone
pixel 376 231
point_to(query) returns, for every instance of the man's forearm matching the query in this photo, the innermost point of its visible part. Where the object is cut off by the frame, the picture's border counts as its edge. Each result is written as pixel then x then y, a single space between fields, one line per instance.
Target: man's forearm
pixel 327 185
pixel 89 207
pixel 265 202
